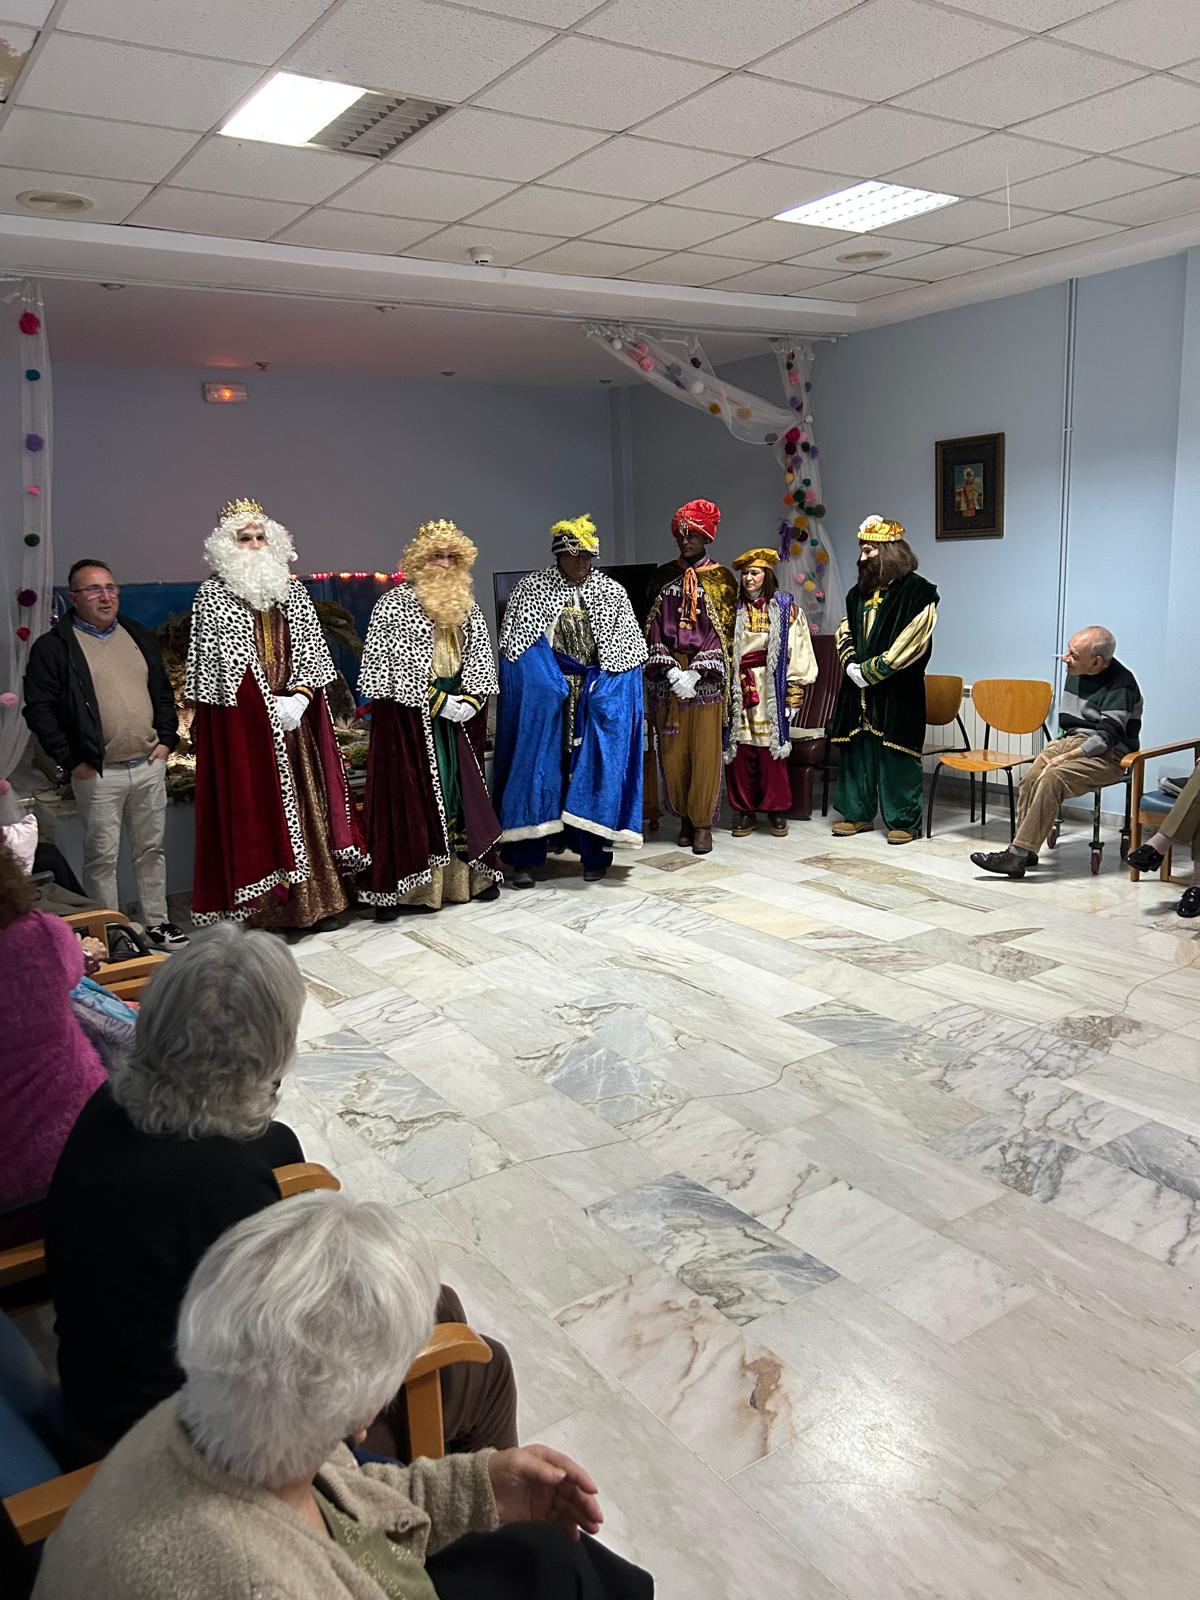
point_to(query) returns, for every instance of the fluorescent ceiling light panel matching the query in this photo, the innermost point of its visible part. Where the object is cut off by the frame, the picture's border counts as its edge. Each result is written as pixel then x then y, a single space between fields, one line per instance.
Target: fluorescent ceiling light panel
pixel 289 109
pixel 866 207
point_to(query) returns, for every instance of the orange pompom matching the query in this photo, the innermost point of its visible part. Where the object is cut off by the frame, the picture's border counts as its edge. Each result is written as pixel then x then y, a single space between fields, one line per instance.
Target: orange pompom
pixel 789 499
pixel 715 409
pixel 797 549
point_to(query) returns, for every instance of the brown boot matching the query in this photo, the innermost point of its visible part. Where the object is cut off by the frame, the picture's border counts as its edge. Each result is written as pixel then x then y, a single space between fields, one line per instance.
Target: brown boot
pixel 685 831
pixel 778 824
pixel 843 830
pixel 702 843
pixel 745 825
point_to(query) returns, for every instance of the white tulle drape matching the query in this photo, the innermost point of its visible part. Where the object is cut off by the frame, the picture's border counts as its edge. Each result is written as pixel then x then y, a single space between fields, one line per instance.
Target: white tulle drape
pixel 26 548
pixel 677 366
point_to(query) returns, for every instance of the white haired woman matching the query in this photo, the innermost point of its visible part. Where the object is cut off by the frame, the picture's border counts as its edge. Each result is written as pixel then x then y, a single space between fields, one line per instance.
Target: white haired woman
pixel 177 1147
pixel 297 1325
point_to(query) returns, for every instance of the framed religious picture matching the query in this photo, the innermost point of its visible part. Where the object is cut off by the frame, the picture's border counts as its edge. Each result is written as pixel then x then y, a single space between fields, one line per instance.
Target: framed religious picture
pixel 970 487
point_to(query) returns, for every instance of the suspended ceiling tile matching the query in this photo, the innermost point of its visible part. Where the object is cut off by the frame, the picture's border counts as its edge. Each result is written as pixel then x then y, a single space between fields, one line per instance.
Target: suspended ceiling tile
pixel 590 260
pixel 267 171
pixel 1031 78
pixel 639 169
pixel 885 47
pixel 668 228
pixel 690 269
pixel 596 85
pixel 1050 233
pixel 394 191
pixel 453 244
pixel 226 215
pixel 774 280
pixel 1075 188
pixel 711 30
pixel 551 13
pixel 92 76
pixel 59 143
pixel 987 164
pixel 779 241
pixel 1143 110
pixel 113 201
pixel 560 211
pixel 32 12
pixel 744 115
pixel 487 144
pixel 952 262
pixel 1156 33
pixel 761 189
pixel 1178 152
pixel 970 219
pixel 437 52
pixel 355 230
pixel 1034 15
pixel 874 141
pixel 862 286
pixel 1174 199
pixel 258 31
pixel 1190 69
pixel 827 254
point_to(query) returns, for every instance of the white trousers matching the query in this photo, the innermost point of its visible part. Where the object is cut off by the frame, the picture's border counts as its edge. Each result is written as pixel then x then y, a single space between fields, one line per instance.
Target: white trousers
pixel 138 796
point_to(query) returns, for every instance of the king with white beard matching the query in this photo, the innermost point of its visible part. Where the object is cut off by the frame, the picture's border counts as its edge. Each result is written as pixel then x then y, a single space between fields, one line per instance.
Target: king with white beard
pixel 276 834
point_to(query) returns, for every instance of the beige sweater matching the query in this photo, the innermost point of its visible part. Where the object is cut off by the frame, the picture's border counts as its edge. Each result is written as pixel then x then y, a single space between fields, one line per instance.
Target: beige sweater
pixel 121 680
pixel 160 1523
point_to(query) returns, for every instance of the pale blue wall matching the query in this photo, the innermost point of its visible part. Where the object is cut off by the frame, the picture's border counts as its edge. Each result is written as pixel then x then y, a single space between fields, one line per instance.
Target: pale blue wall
pixel 350 464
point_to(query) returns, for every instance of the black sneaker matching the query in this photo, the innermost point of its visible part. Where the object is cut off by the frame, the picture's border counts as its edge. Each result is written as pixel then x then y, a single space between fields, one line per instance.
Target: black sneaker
pixel 1011 862
pixel 166 936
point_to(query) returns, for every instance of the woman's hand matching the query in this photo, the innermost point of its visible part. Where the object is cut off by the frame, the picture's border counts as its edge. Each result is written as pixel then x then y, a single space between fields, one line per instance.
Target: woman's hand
pixel 536 1484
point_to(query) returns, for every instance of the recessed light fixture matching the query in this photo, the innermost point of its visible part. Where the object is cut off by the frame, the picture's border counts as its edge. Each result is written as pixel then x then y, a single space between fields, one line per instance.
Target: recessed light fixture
pixel 865 207
pixel 54 202
pixel 864 258
pixel 113 288
pixel 289 109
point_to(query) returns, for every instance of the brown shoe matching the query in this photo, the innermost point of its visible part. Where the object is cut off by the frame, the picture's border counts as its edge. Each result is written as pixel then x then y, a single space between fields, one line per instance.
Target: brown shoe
pixel 685 832
pixel 778 824
pixel 900 836
pixel 702 843
pixel 745 825
pixel 843 830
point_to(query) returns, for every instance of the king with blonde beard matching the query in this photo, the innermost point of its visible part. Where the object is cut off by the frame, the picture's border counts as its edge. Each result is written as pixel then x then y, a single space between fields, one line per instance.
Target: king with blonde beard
pixel 428 671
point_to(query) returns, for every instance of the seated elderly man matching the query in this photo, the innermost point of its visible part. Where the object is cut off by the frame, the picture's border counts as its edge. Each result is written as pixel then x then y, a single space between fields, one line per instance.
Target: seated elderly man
pixel 297 1325
pixel 1099 721
pixel 175 1148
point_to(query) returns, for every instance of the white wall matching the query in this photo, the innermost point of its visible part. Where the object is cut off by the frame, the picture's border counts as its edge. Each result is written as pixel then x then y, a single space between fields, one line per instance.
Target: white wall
pixel 350 464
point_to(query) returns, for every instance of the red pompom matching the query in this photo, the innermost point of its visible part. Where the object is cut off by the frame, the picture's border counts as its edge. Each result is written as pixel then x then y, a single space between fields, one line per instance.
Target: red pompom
pixel 23 634
pixel 30 322
pixel 792 435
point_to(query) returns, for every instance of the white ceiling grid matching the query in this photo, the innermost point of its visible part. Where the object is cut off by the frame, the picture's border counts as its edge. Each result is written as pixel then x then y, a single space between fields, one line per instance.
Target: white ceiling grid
pixel 647 139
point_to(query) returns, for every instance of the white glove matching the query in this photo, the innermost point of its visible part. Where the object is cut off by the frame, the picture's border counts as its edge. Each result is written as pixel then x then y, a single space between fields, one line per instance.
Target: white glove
pixel 684 682
pixel 289 708
pixel 456 709
pixel 855 673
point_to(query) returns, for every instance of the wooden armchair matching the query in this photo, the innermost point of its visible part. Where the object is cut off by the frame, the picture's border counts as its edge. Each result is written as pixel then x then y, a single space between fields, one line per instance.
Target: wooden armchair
pixel 1147 808
pixel 34 1513
pixel 125 979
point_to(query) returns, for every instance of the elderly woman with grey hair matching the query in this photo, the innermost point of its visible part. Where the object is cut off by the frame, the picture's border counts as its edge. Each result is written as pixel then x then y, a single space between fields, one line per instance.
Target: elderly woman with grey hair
pixel 296 1326
pixel 177 1147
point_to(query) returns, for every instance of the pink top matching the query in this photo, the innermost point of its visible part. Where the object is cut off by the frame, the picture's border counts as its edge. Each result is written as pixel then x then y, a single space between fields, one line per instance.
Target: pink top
pixel 48 1067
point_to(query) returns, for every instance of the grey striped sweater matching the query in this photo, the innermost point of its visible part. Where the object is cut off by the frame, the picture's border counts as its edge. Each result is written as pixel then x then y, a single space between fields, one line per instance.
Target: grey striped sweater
pixel 1106 707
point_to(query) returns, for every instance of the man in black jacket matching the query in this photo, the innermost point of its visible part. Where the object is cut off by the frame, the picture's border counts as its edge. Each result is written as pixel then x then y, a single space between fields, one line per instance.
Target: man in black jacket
pixel 99 702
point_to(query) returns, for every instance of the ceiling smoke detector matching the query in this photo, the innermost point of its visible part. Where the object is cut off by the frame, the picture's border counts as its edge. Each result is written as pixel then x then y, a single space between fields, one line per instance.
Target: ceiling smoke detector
pixel 865 258
pixel 482 254
pixel 54 202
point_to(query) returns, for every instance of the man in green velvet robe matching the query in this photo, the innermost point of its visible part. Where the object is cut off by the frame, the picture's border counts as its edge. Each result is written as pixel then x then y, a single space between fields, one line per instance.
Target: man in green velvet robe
pixel 878 725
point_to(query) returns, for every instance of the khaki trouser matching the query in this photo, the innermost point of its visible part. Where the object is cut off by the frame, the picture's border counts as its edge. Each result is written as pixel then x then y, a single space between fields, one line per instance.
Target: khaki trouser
pixel 690 749
pixel 1182 823
pixel 1044 788
pixel 137 795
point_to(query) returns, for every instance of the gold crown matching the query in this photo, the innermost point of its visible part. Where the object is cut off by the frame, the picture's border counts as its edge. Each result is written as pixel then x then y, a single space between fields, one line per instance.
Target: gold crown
pixel 880 530
pixel 240 508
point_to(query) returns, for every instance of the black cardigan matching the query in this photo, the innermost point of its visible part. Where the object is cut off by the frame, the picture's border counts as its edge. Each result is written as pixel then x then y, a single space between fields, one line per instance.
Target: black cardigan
pixel 60 698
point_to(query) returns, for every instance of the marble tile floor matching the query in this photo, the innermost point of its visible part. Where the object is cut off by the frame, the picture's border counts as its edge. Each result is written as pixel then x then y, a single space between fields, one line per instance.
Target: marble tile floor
pixel 840 1205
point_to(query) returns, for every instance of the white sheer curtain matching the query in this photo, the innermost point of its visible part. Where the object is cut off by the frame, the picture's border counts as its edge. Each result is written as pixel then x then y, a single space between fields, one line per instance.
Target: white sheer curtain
pixel 677 366
pixel 26 547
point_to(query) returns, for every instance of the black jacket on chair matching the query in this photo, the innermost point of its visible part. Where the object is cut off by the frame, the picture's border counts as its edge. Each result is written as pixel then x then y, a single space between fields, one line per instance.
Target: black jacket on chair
pixel 60 698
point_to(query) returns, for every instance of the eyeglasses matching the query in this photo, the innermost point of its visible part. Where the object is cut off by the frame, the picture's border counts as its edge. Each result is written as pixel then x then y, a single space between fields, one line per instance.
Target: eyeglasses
pixel 96 591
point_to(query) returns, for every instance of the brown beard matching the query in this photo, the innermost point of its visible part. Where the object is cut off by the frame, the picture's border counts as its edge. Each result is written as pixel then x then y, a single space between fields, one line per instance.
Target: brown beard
pixel 869 570
pixel 445 593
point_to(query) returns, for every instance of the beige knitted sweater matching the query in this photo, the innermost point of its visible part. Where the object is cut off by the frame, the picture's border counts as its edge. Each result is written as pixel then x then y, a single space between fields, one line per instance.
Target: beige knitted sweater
pixel 161 1523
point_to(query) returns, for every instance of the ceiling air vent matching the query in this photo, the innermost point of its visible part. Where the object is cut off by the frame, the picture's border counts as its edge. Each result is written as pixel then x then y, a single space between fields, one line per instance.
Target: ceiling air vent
pixel 377 124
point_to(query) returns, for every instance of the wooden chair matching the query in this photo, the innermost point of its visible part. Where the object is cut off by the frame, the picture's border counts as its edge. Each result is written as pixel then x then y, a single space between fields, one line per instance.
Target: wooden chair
pixel 1148 807
pixel 943 705
pixel 1014 706
pixel 33 1513
pixel 126 979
